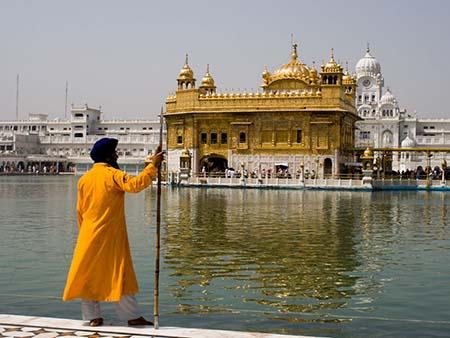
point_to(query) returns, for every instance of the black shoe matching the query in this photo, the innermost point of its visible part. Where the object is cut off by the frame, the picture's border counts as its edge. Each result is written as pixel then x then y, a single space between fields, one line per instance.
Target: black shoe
pixel 141 321
pixel 96 322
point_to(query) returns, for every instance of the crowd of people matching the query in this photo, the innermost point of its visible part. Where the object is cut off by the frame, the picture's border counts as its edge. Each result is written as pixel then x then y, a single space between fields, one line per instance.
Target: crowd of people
pixel 48 168
pixel 283 172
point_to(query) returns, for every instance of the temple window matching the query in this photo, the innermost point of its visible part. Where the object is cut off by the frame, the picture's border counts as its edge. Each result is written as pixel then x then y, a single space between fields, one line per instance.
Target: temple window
pixel 299 136
pixel 242 137
pixel 180 139
pixel 213 138
pixel 364 135
pixel 203 138
pixel 224 138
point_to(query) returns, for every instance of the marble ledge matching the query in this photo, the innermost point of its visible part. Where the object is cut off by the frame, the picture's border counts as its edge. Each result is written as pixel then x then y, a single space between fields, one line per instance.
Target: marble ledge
pixel 12 326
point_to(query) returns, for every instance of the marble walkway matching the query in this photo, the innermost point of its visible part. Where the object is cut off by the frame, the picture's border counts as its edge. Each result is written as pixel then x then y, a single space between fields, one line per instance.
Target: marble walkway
pixel 12 326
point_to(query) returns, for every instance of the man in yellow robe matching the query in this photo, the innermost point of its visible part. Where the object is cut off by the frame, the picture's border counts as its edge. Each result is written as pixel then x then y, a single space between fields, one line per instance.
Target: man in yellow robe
pixel 102 269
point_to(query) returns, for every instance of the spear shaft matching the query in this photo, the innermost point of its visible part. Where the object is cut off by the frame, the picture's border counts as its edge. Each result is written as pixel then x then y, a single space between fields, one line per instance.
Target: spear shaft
pixel 158 234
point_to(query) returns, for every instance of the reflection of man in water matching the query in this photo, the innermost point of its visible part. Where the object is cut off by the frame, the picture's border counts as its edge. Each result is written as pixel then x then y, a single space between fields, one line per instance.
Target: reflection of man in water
pixel 102 269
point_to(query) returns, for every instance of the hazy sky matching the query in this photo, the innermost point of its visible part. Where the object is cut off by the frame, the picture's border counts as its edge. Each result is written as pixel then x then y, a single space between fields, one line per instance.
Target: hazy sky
pixel 126 55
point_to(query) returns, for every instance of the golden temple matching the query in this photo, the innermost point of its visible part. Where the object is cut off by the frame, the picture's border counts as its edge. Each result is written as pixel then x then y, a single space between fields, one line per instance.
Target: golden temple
pixel 302 119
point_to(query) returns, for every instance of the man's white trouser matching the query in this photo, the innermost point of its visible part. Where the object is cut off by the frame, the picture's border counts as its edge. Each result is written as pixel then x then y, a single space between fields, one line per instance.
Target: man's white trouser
pixel 127 308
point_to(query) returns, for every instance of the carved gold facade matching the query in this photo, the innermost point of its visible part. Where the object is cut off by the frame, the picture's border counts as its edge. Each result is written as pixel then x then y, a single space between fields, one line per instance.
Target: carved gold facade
pixel 302 119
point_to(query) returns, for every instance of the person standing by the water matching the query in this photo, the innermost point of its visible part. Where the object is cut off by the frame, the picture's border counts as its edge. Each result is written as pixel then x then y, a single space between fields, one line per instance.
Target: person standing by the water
pixel 102 269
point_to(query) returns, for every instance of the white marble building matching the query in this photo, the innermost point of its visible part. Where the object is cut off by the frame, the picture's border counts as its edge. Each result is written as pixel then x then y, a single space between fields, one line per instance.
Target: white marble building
pixel 385 125
pixel 67 143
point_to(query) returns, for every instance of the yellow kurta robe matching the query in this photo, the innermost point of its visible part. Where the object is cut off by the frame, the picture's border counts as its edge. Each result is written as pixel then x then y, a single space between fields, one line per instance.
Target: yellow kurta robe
pixel 102 269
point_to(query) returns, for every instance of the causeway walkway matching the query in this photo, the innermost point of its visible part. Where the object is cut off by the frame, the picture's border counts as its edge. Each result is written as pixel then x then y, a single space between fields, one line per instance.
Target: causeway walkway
pixel 12 326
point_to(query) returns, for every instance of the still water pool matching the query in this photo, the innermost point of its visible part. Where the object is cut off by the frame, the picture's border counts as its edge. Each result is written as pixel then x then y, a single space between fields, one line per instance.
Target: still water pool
pixel 325 263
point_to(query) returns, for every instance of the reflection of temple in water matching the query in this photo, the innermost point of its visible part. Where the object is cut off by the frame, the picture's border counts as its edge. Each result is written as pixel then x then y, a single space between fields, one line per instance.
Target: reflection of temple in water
pixel 295 255
pixel 310 251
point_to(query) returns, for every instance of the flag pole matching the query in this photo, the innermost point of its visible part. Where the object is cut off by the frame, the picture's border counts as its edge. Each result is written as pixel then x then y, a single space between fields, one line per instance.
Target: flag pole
pixel 158 234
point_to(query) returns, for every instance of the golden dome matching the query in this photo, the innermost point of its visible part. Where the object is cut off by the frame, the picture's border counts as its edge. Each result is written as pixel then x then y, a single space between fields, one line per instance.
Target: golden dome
pixel 332 66
pixel 185 153
pixel 368 153
pixel 186 72
pixel 292 69
pixel 208 80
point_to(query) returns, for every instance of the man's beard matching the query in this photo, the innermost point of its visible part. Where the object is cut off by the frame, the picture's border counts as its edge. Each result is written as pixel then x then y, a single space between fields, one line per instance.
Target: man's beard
pixel 113 164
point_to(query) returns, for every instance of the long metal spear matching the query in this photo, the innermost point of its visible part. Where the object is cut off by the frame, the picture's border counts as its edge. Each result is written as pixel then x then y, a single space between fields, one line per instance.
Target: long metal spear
pixel 158 233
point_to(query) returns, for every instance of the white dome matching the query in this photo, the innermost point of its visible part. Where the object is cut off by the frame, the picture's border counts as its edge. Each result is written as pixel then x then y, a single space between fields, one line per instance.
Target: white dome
pixel 368 65
pixel 388 98
pixel 408 142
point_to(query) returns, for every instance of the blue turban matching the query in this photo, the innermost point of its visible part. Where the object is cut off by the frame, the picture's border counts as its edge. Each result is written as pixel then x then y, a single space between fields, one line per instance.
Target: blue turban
pixel 103 149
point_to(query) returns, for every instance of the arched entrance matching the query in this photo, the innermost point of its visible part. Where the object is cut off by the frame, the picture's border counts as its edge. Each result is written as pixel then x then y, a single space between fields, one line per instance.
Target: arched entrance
pixel 387 139
pixel 213 163
pixel 327 167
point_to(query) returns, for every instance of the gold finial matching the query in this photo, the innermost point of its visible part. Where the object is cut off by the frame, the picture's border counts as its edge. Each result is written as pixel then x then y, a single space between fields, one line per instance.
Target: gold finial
pixel 294 45
pixel 207 68
pixel 368 48
pixel 332 54
pixel 294 54
pixel 187 59
pixel 346 67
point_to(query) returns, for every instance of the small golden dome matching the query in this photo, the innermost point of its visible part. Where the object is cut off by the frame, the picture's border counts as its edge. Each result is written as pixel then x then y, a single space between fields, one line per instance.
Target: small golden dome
pixel 331 62
pixel 186 72
pixel 185 153
pixel 347 76
pixel 208 80
pixel 265 76
pixel 368 153
pixel 332 65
